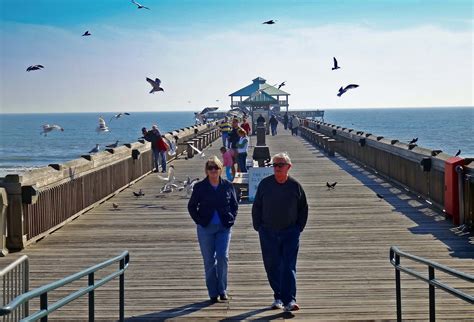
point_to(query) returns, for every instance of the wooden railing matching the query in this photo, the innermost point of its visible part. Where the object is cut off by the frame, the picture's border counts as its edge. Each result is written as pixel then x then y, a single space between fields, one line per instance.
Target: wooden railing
pixel 42 200
pixel 419 169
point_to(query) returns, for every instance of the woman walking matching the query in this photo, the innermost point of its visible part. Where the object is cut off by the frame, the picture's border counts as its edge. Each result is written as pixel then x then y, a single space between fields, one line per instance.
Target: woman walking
pixel 213 207
pixel 242 150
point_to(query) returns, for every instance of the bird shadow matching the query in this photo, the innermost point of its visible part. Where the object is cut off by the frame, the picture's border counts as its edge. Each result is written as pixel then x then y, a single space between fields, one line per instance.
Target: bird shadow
pixel 458 242
pixel 171 313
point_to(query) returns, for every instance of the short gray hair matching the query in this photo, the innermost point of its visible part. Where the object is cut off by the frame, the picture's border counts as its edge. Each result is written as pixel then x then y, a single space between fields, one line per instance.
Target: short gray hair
pixel 282 155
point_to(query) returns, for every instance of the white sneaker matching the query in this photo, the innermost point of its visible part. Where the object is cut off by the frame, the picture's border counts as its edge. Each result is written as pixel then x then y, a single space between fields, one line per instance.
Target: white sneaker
pixel 277 304
pixel 292 306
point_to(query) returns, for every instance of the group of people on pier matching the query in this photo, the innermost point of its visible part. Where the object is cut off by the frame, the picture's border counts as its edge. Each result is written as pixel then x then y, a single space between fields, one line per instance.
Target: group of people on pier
pixel 279 215
pixel 158 147
pixel 235 145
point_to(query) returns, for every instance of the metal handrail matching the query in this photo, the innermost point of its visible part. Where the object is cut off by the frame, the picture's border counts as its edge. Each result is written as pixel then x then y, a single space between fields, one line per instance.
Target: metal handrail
pixel 42 292
pixel 15 278
pixel 396 254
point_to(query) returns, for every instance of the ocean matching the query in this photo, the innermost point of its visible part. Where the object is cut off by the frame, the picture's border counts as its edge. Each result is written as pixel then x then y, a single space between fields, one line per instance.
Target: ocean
pixel 23 148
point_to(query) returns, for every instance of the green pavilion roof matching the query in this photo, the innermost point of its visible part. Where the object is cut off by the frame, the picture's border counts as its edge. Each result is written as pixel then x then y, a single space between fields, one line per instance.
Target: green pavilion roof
pixel 261 97
pixel 259 84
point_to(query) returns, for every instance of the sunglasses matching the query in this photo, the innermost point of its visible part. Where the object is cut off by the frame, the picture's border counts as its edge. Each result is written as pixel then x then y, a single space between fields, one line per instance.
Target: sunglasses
pixel 279 164
pixel 212 167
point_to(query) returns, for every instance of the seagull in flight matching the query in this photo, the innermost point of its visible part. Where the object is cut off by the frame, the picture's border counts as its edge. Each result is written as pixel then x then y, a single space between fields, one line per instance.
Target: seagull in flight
pixel 345 89
pixel 201 153
pixel 269 22
pixel 48 128
pixel 155 84
pixel 457 153
pixel 170 178
pixel 114 145
pixel 331 185
pixel 335 64
pixel 119 115
pixel 281 85
pixel 102 127
pixel 200 115
pixel 95 150
pixel 172 145
pixel 34 67
pixel 139 6
pixel 87 33
pixel 414 140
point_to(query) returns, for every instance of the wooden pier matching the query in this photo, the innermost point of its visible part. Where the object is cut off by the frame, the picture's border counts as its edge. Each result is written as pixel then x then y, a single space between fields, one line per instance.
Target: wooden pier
pixel 343 266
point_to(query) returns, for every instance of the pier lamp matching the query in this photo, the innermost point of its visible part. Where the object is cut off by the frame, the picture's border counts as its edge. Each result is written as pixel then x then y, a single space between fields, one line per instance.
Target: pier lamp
pixel 425 164
pixel 362 142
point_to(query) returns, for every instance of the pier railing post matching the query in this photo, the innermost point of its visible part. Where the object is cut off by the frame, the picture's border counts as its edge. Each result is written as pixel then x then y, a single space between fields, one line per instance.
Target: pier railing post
pixel 16 225
pixel 3 221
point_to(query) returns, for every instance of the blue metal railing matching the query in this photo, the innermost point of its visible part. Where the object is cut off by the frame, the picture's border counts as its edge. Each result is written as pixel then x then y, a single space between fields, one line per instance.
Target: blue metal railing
pixel 396 254
pixel 42 292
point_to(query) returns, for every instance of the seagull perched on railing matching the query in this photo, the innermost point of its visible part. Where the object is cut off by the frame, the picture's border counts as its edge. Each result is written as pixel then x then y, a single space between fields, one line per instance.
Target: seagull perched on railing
pixel 102 127
pixel 413 141
pixel 139 6
pixel 95 150
pixel 114 145
pixel 48 128
pixel 345 89
pixel 156 85
pixel 201 153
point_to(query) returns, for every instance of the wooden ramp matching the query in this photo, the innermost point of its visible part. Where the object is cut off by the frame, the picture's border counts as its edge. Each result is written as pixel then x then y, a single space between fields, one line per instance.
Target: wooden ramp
pixel 343 267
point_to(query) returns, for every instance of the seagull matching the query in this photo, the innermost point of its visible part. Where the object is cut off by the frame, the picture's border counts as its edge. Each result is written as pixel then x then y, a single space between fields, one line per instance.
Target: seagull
pixel 335 64
pixel 119 115
pixel 140 193
pixel 95 150
pixel 114 145
pixel 281 85
pixel 139 6
pixel 200 115
pixel 269 22
pixel 48 128
pixel 172 145
pixel 87 33
pixel 331 185
pixel 345 89
pixel 457 153
pixel 115 205
pixel 102 127
pixel 413 141
pixel 190 186
pixel 201 153
pixel 34 67
pixel 155 84
pixel 168 187
pixel 379 195
pixel 171 178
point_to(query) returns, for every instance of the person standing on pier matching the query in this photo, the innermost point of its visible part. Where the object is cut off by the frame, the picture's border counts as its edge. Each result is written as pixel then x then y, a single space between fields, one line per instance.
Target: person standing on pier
pixel 273 124
pixel 234 138
pixel 295 124
pixel 242 150
pixel 225 128
pixel 285 120
pixel 213 207
pixel 279 214
pixel 246 126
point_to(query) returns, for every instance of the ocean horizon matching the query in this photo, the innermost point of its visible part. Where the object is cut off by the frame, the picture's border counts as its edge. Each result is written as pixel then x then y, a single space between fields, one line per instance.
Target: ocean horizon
pixel 22 148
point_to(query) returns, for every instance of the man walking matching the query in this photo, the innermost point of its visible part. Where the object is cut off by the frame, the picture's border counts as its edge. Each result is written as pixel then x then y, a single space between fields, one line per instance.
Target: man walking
pixel 279 214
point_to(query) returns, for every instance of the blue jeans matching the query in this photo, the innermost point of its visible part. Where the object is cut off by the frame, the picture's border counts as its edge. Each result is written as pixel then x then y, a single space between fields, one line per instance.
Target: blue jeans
pixel 228 173
pixel 225 139
pixel 159 157
pixel 242 161
pixel 279 253
pixel 274 129
pixel 214 241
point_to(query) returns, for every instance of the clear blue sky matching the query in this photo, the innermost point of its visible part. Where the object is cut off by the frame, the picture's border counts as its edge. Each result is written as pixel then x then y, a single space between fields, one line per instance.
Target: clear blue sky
pixel 401 53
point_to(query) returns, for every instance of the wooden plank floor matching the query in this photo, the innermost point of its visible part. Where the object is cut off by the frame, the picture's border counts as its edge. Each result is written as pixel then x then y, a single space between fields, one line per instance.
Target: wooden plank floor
pixel 343 267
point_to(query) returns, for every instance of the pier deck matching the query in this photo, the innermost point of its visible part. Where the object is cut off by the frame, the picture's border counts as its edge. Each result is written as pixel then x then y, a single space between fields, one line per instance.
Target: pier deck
pixel 343 267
